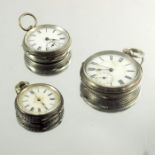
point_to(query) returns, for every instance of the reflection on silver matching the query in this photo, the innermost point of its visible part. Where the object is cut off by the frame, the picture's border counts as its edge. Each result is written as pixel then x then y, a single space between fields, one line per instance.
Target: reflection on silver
pixel 108 102
pixel 47 66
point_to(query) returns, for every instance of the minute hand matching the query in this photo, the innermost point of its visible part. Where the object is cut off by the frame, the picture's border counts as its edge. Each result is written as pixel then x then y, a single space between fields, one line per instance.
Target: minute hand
pixel 104 66
pixel 53 39
pixel 44 105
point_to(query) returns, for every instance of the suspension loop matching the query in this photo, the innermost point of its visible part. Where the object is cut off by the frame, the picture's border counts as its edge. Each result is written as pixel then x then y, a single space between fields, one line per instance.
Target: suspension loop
pixel 137 54
pixel 31 26
pixel 20 86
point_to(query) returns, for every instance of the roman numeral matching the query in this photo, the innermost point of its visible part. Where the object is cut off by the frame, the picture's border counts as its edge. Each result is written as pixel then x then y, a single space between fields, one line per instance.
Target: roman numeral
pixel 101 58
pixel 111 57
pixel 27 105
pixel 94 75
pixel 32 92
pixel 91 69
pixel 59 33
pixel 94 63
pixel 33 44
pixel 128 77
pixel 130 71
pixel 121 59
pixel 121 82
pixel 52 98
pixel 39 110
pixel 32 109
pixel 50 94
pixel 45 90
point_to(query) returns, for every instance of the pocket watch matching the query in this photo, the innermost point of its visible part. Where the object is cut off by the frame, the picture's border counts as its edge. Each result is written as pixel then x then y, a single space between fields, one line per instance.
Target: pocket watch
pixel 39 107
pixel 47 47
pixel 110 79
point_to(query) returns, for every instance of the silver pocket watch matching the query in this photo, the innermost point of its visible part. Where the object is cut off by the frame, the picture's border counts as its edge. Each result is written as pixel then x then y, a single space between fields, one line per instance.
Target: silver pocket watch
pixel 110 79
pixel 47 47
pixel 39 107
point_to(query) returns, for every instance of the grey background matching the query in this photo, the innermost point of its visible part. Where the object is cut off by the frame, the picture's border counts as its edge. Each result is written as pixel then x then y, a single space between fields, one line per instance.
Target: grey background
pixel 94 25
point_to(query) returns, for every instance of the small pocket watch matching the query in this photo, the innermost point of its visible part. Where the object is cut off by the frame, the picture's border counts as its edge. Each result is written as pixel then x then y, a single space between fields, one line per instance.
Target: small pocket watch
pixel 39 107
pixel 47 47
pixel 110 79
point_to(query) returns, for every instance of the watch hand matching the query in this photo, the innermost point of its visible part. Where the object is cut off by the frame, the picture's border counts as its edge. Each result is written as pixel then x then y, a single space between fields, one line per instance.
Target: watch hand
pixel 103 66
pixel 100 69
pixel 111 80
pixel 105 69
pixel 44 105
pixel 53 39
pixel 50 43
pixel 36 96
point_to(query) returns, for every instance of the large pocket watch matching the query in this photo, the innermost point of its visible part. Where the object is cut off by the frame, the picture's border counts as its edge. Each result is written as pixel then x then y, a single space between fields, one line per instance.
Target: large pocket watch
pixel 39 107
pixel 47 47
pixel 110 79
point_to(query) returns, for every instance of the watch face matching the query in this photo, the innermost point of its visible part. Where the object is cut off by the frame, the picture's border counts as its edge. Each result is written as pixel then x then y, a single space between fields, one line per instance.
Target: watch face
pixel 39 99
pixel 46 38
pixel 111 69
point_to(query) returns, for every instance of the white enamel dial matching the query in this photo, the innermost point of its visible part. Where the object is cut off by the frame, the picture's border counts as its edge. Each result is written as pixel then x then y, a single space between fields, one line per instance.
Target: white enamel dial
pixel 111 69
pixel 47 38
pixel 39 99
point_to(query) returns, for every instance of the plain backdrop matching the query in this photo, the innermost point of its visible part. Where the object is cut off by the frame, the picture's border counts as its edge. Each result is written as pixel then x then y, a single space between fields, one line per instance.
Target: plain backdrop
pixel 94 25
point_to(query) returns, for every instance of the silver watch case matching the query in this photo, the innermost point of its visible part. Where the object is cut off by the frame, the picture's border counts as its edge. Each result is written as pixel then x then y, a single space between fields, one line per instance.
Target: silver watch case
pixel 109 99
pixel 49 61
pixel 41 122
